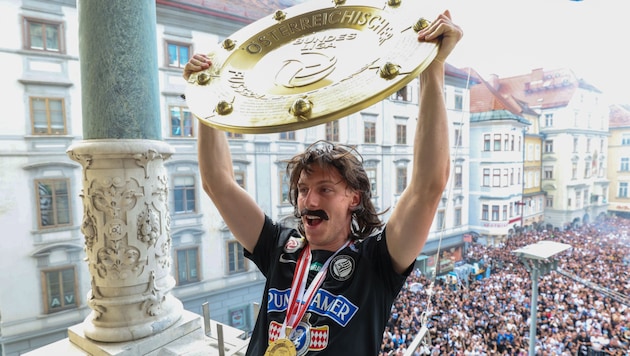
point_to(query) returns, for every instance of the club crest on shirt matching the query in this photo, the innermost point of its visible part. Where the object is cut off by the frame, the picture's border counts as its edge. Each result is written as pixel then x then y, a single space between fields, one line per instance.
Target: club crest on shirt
pixel 293 244
pixel 341 267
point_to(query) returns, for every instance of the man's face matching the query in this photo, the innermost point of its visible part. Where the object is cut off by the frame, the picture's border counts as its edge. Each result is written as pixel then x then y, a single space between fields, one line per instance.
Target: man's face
pixel 326 204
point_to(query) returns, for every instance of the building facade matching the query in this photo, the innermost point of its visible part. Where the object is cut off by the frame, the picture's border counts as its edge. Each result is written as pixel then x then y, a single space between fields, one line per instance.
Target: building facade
pixel 574 125
pixel 619 161
pixel 497 155
pixel 497 168
pixel 533 203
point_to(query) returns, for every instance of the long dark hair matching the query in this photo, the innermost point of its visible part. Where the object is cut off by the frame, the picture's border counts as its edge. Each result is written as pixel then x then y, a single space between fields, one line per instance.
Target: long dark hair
pixel 349 163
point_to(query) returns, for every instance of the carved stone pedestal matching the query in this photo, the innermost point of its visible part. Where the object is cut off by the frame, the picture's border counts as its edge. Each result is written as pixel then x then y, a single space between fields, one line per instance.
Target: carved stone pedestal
pixel 126 224
pixel 187 332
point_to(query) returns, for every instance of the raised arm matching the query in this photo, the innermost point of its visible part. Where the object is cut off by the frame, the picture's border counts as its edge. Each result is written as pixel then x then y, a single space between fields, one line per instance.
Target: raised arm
pixel 240 212
pixel 410 222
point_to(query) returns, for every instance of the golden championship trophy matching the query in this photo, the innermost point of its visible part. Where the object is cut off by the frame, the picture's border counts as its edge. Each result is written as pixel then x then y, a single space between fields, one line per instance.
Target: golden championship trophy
pixel 309 64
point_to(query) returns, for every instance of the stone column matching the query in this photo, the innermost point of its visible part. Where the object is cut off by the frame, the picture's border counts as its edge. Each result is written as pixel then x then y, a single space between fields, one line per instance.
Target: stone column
pixel 125 191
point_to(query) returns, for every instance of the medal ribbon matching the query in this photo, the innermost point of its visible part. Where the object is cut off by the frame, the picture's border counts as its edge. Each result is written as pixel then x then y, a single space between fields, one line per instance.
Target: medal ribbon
pixel 299 299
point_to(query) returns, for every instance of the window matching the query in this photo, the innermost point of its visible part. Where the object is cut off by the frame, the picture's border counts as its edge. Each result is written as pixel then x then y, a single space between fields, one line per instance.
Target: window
pixel 60 290
pixel 625 164
pixel 239 177
pixel 459 100
pixel 486 142
pixel 234 135
pixel 528 182
pixel 178 54
pixel 506 176
pixel 587 170
pixel 48 116
pixel 506 142
pixel 458 138
pixel 548 120
pixel 497 142
pixel 458 176
pixel 402 94
pixel 440 220
pixel 287 136
pixel 548 172
pixel 457 217
pixel 43 36
pixel 625 139
pixel 511 176
pixel 588 145
pixel 235 258
pixel 496 177
pixel 371 173
pixel 187 266
pixel 181 122
pixel 549 201
pixel 587 196
pixel 54 203
pixel 495 213
pixel 401 179
pixel 284 186
pixel 401 134
pixel 549 146
pixel 486 177
pixel 184 194
pixel 369 132
pixel 484 212
pixel 623 190
pixel 575 144
pixel 505 212
pixel 332 131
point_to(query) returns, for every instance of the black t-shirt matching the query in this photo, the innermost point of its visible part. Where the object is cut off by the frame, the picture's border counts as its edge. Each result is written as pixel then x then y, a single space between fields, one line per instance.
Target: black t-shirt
pixel 585 342
pixel 348 313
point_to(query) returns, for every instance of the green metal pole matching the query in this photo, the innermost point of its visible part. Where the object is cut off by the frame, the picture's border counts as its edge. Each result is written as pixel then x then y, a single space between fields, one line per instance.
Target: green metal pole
pixel 532 322
pixel 119 70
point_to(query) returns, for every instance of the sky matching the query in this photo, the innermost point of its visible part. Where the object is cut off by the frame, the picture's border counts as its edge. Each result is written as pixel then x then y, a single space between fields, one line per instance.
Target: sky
pixel 507 37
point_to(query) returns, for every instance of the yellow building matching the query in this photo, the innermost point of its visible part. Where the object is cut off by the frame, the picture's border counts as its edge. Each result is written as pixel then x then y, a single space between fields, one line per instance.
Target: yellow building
pixel 533 207
pixel 619 161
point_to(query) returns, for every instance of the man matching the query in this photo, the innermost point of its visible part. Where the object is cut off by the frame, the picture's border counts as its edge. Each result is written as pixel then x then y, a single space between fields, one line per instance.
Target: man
pixel 330 285
pixel 583 341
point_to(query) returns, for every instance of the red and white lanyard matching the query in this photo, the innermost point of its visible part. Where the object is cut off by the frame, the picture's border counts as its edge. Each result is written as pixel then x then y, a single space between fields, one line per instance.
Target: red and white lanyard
pixel 299 299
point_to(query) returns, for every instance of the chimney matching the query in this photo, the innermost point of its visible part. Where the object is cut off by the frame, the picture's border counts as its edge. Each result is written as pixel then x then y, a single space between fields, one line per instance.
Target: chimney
pixel 493 80
pixel 537 74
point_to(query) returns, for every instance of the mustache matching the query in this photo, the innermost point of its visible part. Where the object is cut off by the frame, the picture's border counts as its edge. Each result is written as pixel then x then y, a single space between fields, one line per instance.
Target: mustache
pixel 319 213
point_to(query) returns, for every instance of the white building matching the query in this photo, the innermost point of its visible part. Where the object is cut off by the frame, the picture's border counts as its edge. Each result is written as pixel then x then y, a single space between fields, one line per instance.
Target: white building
pixel 574 124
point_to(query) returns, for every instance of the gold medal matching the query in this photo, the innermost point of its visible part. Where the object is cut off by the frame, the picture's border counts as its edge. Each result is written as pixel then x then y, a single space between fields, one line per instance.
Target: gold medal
pixel 281 347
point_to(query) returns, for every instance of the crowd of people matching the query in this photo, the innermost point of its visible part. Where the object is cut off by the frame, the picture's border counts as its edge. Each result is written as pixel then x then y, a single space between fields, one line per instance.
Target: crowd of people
pixel 491 316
